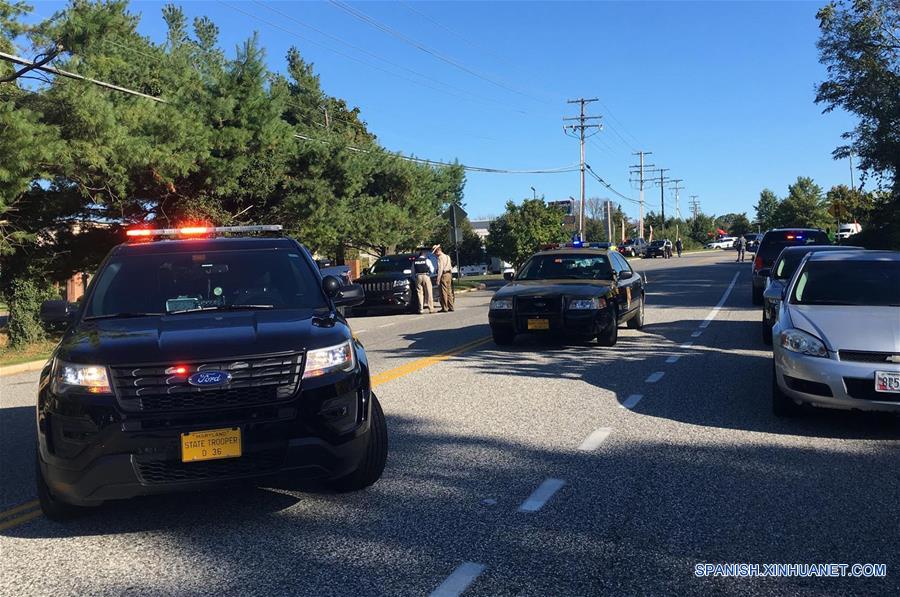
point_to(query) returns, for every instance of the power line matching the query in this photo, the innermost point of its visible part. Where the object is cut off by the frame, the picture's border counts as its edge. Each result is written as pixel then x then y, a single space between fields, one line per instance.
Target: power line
pixel 457 92
pixel 609 186
pixel 357 14
pixel 77 77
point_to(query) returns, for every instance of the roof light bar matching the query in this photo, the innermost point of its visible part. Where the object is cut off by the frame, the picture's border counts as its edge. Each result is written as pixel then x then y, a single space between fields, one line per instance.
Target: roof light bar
pixel 194 230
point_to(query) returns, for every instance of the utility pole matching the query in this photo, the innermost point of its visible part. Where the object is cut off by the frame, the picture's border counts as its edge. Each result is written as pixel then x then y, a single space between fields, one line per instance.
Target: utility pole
pixel 695 206
pixel 677 188
pixel 639 170
pixel 609 224
pixel 662 194
pixel 584 124
pixel 534 193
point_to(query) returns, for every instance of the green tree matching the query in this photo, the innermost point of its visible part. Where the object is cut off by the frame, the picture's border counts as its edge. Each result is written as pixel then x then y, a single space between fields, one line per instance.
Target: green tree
pixel 522 229
pixel 859 46
pixel 701 228
pixel 848 205
pixel 739 226
pixel 804 206
pixel 766 210
pixel 471 249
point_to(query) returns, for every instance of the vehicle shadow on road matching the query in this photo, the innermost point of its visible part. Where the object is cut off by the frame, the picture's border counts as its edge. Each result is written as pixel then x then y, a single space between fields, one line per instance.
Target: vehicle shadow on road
pixel 633 514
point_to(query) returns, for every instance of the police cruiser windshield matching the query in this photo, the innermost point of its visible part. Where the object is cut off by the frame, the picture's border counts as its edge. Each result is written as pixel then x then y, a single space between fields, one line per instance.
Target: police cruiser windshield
pixel 171 283
pixel 565 267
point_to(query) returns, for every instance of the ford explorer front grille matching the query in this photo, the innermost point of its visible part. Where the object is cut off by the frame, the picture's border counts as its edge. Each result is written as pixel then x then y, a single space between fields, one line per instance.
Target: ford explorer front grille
pixel 164 386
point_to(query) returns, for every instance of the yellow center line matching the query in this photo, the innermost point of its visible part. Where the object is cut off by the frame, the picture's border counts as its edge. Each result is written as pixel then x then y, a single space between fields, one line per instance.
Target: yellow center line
pixel 20 520
pixel 377 380
pixel 19 508
pixel 424 362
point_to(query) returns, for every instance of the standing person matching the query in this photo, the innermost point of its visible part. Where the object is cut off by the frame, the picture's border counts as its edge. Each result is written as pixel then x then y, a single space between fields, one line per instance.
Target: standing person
pixel 679 246
pixel 444 278
pixel 423 268
pixel 741 245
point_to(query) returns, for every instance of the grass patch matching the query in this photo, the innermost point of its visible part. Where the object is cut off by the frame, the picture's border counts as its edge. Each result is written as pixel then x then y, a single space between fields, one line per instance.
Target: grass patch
pixel 23 354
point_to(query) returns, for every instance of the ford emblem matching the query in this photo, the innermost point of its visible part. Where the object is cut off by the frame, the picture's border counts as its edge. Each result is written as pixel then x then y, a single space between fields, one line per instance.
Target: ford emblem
pixel 209 378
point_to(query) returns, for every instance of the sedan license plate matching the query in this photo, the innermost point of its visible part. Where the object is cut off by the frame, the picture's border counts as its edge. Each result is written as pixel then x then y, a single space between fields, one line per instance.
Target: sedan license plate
pixel 887 381
pixel 538 324
pixel 211 444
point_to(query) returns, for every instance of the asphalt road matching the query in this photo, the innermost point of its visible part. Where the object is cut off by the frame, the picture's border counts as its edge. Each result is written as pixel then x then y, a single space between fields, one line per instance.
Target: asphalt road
pixel 538 469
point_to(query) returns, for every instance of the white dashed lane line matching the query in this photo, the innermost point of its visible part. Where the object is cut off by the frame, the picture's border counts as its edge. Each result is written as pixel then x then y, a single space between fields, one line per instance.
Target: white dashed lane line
pixel 712 314
pixel 654 377
pixel 673 359
pixel 464 575
pixel 696 334
pixel 540 495
pixel 593 441
pixel 631 401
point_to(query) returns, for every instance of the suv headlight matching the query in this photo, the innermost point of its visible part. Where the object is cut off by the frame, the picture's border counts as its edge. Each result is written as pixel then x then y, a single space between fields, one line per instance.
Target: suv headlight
pixel 584 304
pixel 328 360
pixel 91 378
pixel 401 283
pixel 501 304
pixel 800 342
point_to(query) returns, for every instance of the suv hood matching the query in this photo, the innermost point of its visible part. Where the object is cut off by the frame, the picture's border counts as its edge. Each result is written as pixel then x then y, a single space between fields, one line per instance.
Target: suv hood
pixel 850 328
pixel 201 336
pixel 553 287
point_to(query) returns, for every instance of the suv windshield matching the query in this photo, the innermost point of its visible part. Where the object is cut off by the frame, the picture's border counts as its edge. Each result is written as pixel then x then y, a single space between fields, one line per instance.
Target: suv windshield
pixel 774 241
pixel 563 267
pixel 857 283
pixel 395 264
pixel 190 281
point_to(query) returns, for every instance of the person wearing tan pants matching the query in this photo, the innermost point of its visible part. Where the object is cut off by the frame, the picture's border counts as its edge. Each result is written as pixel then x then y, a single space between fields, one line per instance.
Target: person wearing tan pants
pixel 423 269
pixel 444 279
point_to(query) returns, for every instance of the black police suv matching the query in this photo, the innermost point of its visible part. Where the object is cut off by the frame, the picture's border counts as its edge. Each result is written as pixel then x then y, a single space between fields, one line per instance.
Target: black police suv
pixel 196 361
pixel 584 293
pixel 771 245
pixel 391 283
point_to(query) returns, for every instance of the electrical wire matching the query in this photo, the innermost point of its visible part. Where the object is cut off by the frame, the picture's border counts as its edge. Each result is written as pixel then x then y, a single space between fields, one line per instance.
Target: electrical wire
pixel 607 185
pixel 357 14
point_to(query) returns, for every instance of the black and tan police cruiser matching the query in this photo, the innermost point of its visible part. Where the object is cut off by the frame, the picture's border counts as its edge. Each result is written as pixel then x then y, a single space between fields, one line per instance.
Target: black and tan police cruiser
pixel 576 290
pixel 200 356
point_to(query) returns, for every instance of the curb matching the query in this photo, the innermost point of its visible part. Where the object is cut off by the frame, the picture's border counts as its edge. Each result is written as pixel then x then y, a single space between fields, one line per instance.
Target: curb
pixel 22 367
pixel 481 286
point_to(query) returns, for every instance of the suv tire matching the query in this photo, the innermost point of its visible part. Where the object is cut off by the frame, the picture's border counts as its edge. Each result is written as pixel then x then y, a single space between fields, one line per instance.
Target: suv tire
pixel 52 507
pixel 610 335
pixel 782 404
pixel 766 330
pixel 637 320
pixel 503 337
pixel 372 464
pixel 757 296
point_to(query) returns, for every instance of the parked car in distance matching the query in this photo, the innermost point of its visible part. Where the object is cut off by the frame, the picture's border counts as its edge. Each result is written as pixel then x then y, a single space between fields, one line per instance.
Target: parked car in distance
pixel 753 239
pixel 633 247
pixel 836 341
pixel 770 247
pixel 473 270
pixel 781 274
pixel 390 284
pixel 848 230
pixel 657 248
pixel 725 242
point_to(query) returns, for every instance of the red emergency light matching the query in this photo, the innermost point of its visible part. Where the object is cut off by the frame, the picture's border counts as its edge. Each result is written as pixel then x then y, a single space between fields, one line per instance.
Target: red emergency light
pixel 199 230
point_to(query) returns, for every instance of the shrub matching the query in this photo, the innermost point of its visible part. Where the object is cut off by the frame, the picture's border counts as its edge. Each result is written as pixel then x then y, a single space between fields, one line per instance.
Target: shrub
pixel 25 297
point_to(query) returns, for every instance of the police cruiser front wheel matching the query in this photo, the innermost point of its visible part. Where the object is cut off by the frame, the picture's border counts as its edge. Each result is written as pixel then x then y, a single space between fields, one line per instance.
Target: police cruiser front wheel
pixel 372 464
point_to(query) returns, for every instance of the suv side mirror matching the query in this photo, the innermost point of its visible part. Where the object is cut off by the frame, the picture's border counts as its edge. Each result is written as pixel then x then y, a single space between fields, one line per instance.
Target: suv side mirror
pixel 625 274
pixel 56 312
pixel 331 286
pixel 350 296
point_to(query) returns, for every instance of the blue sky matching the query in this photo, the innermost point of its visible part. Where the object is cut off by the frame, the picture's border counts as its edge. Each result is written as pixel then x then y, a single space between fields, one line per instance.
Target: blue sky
pixel 721 92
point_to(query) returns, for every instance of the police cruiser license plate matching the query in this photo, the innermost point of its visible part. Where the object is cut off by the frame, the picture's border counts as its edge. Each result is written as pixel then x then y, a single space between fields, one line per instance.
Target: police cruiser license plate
pixel 887 381
pixel 538 324
pixel 211 444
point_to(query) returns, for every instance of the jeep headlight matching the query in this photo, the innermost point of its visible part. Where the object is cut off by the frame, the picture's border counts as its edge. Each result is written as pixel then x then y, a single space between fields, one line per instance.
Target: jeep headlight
pixel 328 360
pixel 501 304
pixel 800 342
pixel 585 304
pixel 91 378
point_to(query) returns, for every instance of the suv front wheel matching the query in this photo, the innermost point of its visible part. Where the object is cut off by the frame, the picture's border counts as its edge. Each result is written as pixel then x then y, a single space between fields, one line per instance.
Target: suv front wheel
pixel 372 464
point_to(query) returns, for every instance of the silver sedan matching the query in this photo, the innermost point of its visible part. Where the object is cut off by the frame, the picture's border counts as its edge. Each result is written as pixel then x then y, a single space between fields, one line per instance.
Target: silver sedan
pixel 837 337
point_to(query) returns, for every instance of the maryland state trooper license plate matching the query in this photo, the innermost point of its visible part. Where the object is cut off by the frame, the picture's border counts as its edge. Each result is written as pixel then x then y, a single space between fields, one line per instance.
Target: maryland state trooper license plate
pixel 211 444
